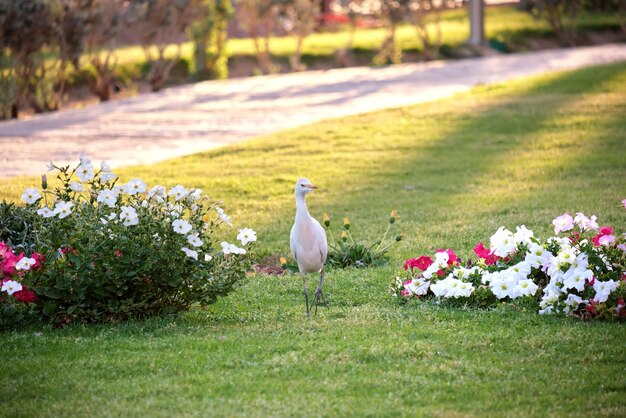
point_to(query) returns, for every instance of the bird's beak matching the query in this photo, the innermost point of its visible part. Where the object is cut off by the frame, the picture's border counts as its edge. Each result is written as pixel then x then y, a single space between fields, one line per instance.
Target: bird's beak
pixel 310 186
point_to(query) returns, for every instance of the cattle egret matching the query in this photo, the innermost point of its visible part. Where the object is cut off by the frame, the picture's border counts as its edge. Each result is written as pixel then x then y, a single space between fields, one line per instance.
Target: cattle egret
pixel 308 243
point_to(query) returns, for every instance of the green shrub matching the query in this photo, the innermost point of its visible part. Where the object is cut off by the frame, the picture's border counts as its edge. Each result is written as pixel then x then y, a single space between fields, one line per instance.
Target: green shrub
pixel 113 252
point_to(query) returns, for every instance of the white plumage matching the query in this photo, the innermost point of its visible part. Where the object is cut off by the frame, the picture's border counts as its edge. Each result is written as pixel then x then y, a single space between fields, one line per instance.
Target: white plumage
pixel 308 242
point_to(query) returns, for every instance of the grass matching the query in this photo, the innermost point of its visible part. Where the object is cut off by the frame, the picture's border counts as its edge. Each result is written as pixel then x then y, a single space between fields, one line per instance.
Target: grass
pixel 507 154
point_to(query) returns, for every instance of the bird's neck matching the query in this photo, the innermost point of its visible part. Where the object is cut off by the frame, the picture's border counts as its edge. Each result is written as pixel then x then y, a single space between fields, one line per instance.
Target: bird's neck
pixel 301 209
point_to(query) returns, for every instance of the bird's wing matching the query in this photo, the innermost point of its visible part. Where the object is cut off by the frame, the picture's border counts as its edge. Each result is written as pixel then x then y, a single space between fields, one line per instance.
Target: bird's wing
pixel 322 241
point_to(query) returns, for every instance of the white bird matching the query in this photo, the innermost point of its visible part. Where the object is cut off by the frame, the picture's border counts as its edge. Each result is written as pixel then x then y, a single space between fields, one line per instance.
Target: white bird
pixel 308 243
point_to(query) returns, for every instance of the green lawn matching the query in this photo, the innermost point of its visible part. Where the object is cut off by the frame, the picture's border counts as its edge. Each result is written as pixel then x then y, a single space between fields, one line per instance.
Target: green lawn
pixel 508 154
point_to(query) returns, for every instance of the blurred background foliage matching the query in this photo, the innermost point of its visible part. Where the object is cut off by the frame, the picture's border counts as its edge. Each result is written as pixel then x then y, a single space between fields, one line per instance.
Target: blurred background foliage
pixel 51 49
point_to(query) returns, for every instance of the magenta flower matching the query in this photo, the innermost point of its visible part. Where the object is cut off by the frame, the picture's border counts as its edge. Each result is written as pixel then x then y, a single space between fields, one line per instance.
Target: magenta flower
pixel 563 223
pixel 624 203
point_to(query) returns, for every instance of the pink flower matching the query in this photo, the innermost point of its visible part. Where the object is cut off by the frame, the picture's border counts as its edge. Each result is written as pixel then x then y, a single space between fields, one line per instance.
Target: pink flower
pixel 624 203
pixel 421 263
pixel 9 262
pixel 563 223
pixel 482 252
pixel 605 230
pixel 452 258
pixel 26 296
pixel 606 240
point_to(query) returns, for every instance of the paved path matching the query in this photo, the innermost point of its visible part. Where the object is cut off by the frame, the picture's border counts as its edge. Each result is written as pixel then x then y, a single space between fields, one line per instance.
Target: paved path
pixel 197 117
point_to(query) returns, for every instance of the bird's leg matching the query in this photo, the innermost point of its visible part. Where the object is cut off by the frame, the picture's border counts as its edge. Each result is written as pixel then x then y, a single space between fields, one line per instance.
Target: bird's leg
pixel 306 297
pixel 318 292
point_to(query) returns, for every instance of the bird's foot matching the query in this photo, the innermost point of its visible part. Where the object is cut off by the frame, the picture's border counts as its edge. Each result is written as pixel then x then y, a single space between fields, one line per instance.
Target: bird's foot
pixel 319 299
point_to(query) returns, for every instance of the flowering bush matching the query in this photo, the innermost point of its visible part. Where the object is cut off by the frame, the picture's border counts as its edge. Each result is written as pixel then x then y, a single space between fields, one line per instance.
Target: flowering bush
pixel 580 273
pixel 113 251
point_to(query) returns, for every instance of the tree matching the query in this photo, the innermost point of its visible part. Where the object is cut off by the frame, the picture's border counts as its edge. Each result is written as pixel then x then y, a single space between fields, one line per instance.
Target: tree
pixel 300 21
pixel 37 45
pixel 209 35
pixel 560 14
pixel 394 12
pixel 424 15
pixel 160 24
pixel 257 18
pixel 102 21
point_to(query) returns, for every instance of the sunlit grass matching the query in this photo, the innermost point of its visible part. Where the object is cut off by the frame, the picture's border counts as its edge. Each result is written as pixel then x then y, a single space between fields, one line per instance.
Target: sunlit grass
pixel 513 153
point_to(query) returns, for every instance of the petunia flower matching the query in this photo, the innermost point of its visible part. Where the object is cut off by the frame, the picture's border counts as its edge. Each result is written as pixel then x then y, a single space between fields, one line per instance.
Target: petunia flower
pixel 181 226
pixel 11 286
pixel 31 195
pixel 190 253
pixel 246 235
pixel 563 223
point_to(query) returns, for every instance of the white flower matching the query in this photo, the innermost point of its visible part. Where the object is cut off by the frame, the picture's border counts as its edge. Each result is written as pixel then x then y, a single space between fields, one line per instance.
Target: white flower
pixel 526 288
pixel 519 271
pixel 128 212
pixel 129 216
pixel 585 223
pixel 231 248
pixel 464 289
pixel 129 221
pixel 246 235
pixel 11 286
pixel 158 192
pixel 418 287
pixel 603 289
pixel 104 167
pixel 441 288
pixel 536 256
pixel 175 209
pixel 107 197
pixel 107 176
pixel 502 242
pixel 76 187
pixel 567 255
pixel 51 166
pixel 181 226
pixel 179 192
pixel 84 160
pixel 63 209
pixel 441 260
pixel 504 288
pixel 194 240
pixel 573 300
pixel 25 263
pixel 135 186
pixel 46 212
pixel 190 253
pixel 225 218
pixel 195 195
pixel 207 257
pixel 31 195
pixel 575 279
pixel 85 172
pixel 581 262
pixel 522 235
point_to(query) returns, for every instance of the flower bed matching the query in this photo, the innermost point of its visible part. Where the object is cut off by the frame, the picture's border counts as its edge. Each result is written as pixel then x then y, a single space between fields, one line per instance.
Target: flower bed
pixel 100 251
pixel 581 272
